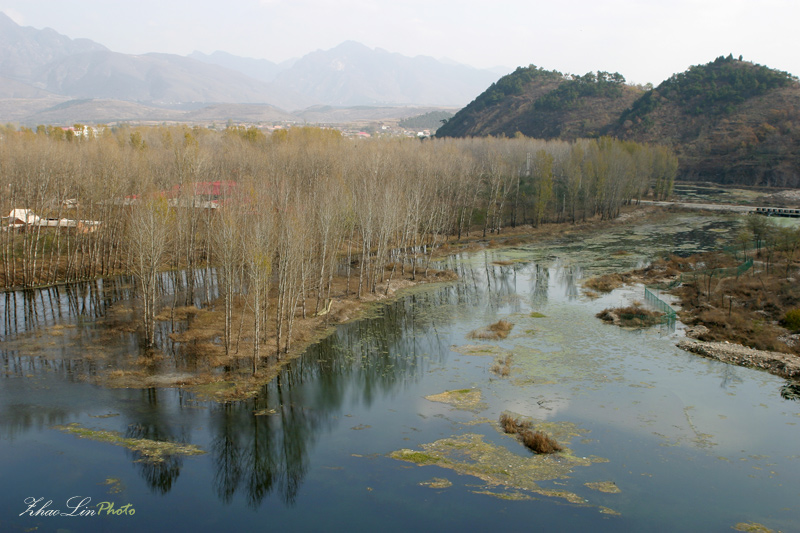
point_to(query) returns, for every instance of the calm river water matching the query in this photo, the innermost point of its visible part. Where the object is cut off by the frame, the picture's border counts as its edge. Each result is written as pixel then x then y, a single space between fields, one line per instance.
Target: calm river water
pixel 658 439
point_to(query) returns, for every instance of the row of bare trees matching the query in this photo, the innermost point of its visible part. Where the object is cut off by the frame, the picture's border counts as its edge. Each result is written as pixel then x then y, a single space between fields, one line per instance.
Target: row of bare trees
pixel 278 217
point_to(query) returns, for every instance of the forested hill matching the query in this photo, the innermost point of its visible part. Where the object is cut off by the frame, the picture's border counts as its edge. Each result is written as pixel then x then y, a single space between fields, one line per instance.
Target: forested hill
pixel 729 121
pixel 544 104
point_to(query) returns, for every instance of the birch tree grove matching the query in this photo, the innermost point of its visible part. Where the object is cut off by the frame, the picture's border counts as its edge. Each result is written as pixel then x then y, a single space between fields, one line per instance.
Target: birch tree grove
pixel 277 218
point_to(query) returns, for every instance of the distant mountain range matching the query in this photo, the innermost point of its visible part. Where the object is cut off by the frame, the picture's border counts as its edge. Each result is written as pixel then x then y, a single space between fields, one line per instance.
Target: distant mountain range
pixel 43 64
pixel 729 121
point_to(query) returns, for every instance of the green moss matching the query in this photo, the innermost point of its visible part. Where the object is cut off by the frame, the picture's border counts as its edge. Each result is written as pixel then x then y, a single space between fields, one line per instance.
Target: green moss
pixel 536 314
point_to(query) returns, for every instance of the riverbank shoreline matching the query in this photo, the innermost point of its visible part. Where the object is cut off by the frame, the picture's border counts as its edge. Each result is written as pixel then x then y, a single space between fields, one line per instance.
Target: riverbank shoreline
pixel 780 364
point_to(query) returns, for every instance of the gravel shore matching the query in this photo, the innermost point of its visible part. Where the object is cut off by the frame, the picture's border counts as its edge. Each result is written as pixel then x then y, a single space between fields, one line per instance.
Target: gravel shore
pixel 780 364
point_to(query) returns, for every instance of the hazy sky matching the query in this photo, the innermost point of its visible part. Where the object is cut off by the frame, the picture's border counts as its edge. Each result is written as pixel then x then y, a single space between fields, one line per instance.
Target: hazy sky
pixel 645 40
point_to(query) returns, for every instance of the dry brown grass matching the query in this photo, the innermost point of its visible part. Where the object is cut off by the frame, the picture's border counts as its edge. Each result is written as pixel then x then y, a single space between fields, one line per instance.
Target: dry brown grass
pixel 745 310
pixel 535 441
pixel 632 316
pixel 502 366
pixel 498 330
pixel 503 263
pixel 513 425
pixel 604 283
pixel 539 442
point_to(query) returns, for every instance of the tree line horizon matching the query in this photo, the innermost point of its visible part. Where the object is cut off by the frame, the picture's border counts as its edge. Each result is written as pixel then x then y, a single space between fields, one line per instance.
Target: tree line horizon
pixel 301 200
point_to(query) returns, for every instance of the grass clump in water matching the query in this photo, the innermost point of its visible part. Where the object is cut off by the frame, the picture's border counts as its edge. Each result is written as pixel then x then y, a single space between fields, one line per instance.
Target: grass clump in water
pixel 502 366
pixel 535 441
pixel 539 442
pixel 496 331
pixel 604 283
pixel 633 316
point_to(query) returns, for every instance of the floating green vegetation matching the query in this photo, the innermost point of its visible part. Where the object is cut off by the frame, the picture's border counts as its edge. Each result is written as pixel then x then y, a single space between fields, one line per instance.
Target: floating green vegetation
pixel 154 451
pixel 115 485
pixel 604 486
pixel 512 496
pixel 612 512
pixel 496 466
pixel 475 349
pixel 753 527
pixel 467 399
pixel 536 314
pixel 412 456
pixel 437 483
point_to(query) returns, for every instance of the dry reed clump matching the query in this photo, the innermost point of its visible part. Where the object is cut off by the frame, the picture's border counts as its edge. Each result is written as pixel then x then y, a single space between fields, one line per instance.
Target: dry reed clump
pixel 513 425
pixel 633 316
pixel 503 263
pixel 496 331
pixel 535 441
pixel 604 283
pixel 502 366
pixel 539 442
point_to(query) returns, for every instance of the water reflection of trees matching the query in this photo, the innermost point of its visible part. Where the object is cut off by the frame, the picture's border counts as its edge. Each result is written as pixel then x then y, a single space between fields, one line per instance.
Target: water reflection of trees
pixel 27 310
pixel 540 284
pixel 18 418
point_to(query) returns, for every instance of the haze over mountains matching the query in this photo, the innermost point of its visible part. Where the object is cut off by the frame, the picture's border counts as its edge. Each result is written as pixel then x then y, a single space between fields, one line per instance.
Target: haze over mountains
pixel 52 68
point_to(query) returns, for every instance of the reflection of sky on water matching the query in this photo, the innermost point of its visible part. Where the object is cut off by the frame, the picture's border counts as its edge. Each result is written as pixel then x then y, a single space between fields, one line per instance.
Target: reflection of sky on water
pixel 693 444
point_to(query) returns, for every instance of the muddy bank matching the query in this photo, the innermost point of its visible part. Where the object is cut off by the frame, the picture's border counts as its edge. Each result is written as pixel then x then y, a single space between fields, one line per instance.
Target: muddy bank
pixel 780 364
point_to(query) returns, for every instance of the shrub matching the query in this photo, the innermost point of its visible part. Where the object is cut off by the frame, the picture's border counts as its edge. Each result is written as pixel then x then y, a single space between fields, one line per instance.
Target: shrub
pixel 791 320
pixel 539 442
pixel 513 425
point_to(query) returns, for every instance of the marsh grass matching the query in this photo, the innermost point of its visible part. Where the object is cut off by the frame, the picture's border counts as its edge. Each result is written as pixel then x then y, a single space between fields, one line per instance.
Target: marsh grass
pixel 496 331
pixel 632 316
pixel 502 366
pixel 539 442
pixel 604 283
pixel 536 441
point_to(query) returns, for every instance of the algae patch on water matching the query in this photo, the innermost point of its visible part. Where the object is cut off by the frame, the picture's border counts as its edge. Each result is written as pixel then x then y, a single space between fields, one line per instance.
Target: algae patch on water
pixel 467 399
pixel 151 450
pixel 604 486
pixel 752 526
pixel 476 349
pixel 496 466
pixel 437 483
pixel 115 486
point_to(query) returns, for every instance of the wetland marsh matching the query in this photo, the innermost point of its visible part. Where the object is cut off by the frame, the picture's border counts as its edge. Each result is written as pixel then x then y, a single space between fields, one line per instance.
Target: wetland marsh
pixel 391 422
